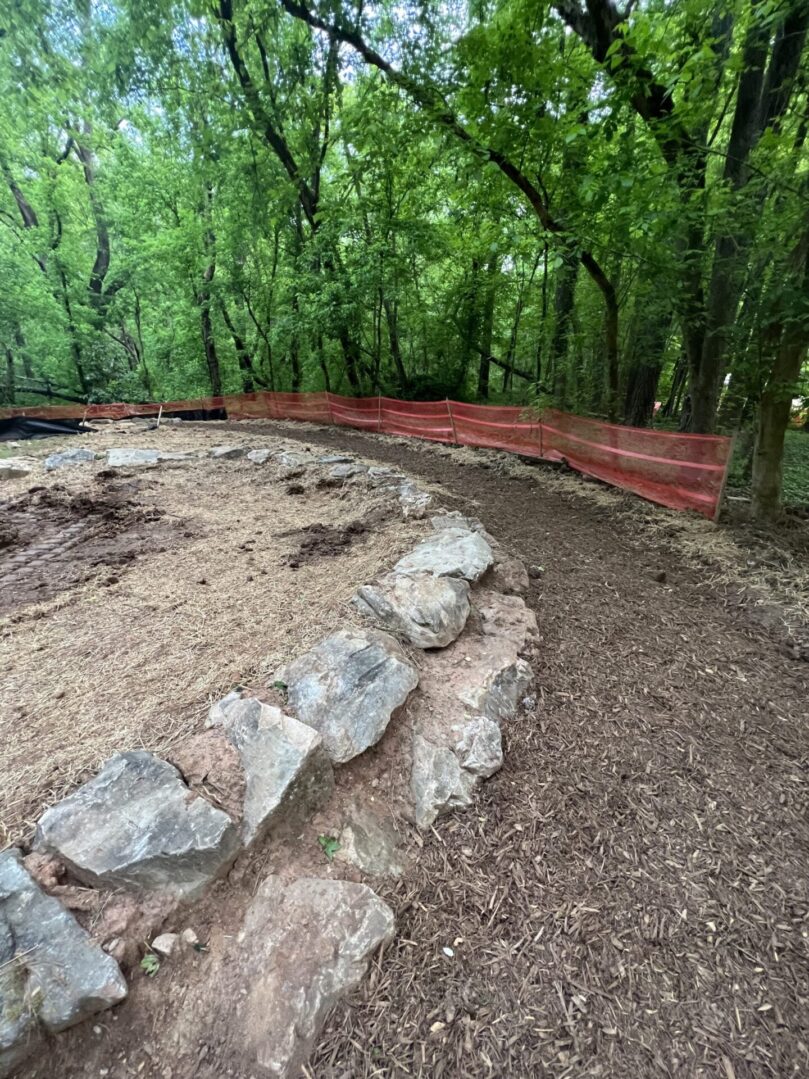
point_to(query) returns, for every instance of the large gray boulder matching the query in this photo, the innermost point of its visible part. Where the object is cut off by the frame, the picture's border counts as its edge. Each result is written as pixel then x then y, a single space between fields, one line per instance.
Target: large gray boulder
pixel 426 610
pixel 137 825
pixel 52 974
pixel 132 458
pixel 287 770
pixel 348 686
pixel 452 552
pixel 305 945
pixel 79 455
pixel 437 781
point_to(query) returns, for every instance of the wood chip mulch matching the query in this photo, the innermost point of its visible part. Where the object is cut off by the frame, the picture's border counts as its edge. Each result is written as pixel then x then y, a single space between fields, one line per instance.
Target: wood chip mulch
pixel 629 895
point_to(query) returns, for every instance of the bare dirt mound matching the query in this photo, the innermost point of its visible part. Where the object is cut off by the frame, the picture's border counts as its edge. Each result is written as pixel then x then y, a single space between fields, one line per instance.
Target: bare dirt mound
pixel 52 539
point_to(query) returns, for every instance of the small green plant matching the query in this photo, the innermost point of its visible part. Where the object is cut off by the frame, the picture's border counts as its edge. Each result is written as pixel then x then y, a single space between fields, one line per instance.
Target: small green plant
pixel 280 686
pixel 150 964
pixel 329 844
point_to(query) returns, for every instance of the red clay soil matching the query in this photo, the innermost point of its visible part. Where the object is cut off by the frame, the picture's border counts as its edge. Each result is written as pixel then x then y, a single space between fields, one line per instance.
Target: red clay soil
pixel 629 895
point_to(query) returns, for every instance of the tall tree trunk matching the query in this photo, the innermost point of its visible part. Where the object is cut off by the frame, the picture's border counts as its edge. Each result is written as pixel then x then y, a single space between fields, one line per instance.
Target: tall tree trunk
pixel 776 400
pixel 392 317
pixel 773 417
pixel 487 325
pixel 678 381
pixel 10 395
pixel 204 300
pixel 563 301
pixel 243 356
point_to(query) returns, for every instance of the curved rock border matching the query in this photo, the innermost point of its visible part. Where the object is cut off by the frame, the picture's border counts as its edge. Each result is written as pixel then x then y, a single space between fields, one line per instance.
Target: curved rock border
pixel 448 619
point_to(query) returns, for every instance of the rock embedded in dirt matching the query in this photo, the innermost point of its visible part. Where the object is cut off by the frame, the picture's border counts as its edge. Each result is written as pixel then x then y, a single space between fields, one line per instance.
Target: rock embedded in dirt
pixel 480 747
pixel 346 471
pixel 335 459
pixel 226 453
pixel 165 944
pixel 52 975
pixel 348 686
pixel 452 552
pixel 14 468
pixel 306 944
pixel 370 842
pixel 132 458
pixel 287 769
pixel 78 456
pixel 510 577
pixel 259 457
pixel 437 781
pixel 413 500
pixel 137 825
pixel 290 459
pixel 426 610
pixel 383 476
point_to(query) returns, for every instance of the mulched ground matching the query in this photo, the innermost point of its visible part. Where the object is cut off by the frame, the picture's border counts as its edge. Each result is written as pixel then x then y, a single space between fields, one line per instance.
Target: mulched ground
pixel 629 895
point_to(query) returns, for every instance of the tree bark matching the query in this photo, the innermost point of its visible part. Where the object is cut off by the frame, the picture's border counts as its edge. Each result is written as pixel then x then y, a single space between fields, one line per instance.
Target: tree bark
pixel 776 400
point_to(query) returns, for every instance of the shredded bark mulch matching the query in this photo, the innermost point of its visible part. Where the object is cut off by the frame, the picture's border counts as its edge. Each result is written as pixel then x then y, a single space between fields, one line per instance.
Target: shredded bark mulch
pixel 629 895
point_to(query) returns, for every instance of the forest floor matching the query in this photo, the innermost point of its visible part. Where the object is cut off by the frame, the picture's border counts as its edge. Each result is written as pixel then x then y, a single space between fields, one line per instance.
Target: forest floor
pixel 629 895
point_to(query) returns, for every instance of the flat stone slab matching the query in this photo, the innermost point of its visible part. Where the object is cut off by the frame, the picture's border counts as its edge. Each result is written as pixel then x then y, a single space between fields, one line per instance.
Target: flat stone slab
pixel 52 974
pixel 452 552
pixel 137 825
pixel 426 610
pixel 287 770
pixel 346 470
pixel 14 468
pixel 305 945
pixel 78 456
pixel 335 459
pixel 226 453
pixel 132 458
pixel 437 781
pixel 290 459
pixel 348 686
pixel 259 457
pixel 369 841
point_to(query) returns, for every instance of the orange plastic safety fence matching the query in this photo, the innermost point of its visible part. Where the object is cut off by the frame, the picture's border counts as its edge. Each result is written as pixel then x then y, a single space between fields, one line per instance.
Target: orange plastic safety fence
pixel 676 470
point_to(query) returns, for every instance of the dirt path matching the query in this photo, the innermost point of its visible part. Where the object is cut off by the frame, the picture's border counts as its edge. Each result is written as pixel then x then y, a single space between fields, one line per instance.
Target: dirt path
pixel 629 897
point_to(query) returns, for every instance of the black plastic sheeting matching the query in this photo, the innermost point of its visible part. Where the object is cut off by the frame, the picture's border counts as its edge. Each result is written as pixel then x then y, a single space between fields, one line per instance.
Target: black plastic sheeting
pixel 20 428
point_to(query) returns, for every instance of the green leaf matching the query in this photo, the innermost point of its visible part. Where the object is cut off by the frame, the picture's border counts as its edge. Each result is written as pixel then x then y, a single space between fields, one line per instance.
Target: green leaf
pixel 329 844
pixel 150 964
